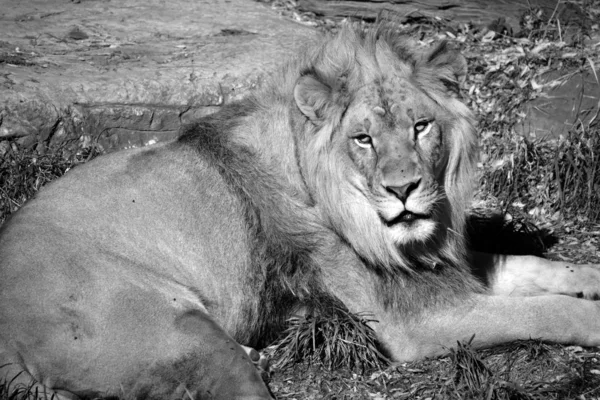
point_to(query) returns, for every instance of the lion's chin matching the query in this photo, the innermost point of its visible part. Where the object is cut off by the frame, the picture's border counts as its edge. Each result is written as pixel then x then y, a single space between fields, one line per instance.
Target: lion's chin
pixel 412 228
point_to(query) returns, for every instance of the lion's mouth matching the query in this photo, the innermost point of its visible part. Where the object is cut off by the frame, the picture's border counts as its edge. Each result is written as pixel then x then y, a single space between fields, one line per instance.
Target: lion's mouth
pixel 406 218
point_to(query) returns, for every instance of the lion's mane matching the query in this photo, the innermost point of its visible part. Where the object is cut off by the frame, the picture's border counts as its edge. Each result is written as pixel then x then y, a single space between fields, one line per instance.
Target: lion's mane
pixel 298 200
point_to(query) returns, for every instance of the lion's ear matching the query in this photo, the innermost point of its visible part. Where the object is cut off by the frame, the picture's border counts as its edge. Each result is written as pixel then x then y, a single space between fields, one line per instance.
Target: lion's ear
pixel 448 65
pixel 312 97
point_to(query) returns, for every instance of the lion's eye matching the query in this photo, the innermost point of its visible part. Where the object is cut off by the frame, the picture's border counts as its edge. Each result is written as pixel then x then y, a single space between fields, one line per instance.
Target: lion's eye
pixel 423 127
pixel 364 141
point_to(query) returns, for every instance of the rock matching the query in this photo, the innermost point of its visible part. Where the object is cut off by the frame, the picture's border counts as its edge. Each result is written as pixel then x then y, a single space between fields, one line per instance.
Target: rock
pixel 478 12
pixel 130 72
pixel 35 119
pixel 4 148
pixel 569 98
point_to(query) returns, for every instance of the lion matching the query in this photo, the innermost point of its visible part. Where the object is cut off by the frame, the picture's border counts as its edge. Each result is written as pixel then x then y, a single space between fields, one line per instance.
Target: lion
pixel 343 182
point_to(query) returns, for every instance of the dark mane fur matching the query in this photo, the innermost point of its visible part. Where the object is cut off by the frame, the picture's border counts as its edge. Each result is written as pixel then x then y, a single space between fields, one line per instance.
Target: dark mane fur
pixel 281 243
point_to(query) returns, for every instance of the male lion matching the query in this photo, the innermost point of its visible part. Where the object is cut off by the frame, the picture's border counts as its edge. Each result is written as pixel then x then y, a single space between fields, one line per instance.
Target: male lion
pixel 343 182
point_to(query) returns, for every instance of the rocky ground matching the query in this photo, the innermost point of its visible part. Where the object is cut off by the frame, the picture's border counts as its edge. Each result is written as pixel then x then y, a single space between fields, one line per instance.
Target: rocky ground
pixel 123 74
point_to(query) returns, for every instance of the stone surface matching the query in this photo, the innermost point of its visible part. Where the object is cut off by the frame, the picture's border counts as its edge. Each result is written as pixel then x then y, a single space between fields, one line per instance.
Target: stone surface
pixel 569 99
pixel 129 72
pixel 477 12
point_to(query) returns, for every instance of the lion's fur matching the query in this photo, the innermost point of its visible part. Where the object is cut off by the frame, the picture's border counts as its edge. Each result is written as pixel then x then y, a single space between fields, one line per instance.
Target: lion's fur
pixel 352 54
pixel 276 160
pixel 281 171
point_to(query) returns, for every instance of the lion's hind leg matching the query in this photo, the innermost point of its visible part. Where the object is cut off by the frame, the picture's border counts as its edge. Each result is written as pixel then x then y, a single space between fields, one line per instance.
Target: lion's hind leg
pixel 217 367
pixel 533 276
pixel 260 361
pixel 140 344
pixel 181 351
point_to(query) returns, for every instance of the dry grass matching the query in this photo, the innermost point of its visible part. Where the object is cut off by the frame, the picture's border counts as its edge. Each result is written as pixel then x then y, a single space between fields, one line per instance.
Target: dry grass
pixel 520 370
pixel 18 392
pixel 334 339
pixel 552 178
pixel 24 171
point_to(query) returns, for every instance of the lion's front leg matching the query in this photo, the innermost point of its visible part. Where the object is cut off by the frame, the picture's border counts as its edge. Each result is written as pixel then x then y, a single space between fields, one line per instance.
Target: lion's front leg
pixel 533 276
pixel 491 320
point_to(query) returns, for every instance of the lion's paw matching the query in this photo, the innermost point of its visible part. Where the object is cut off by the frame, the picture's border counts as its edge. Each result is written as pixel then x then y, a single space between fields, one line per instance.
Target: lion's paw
pixel 583 280
pixel 260 361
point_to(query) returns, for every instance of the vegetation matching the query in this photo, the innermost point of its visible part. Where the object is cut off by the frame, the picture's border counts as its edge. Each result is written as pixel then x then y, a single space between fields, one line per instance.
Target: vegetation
pixel 337 339
pixel 24 171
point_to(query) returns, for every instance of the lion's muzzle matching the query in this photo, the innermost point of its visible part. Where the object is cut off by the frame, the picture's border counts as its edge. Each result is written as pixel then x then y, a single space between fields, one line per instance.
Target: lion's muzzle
pixel 404 189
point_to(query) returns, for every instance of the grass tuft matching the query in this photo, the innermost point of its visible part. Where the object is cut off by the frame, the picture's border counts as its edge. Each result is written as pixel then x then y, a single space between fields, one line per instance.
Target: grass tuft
pixel 334 339
pixel 472 378
pixel 552 177
pixel 11 391
pixel 24 171
pixel 470 371
pixel 495 374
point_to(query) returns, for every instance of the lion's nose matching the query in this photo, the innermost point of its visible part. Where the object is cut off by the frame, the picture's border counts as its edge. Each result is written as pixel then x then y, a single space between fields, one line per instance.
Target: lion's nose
pixel 403 191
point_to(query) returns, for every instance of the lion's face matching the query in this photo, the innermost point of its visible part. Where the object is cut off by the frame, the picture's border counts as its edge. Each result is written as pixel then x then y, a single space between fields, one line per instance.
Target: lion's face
pixel 389 151
pixel 392 139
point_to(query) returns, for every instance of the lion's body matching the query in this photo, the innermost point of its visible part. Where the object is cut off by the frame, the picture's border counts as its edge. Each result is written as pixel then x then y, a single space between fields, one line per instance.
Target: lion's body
pixel 343 182
pixel 77 270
